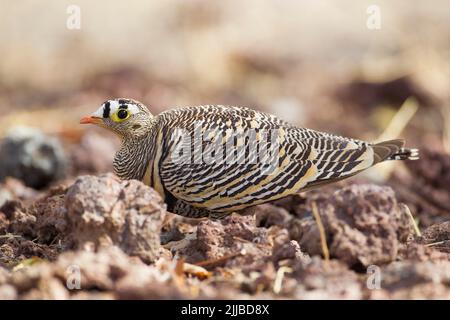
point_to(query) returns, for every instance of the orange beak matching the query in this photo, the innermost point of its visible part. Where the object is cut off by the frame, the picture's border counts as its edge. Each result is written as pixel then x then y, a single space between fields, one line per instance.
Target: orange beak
pixel 91 119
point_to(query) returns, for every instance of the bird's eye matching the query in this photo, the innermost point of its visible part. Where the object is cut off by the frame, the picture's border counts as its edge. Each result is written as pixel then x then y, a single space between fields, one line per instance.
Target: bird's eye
pixel 120 115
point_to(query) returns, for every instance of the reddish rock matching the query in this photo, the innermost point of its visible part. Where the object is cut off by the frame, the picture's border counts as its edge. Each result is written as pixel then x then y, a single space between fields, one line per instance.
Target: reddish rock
pixel 106 274
pixel 268 215
pixel 93 212
pixel 4 223
pixel 439 232
pixel 364 225
pixel 319 279
pixel 235 236
pixel 14 190
pixel 433 168
pixel 419 252
pixel 289 250
pixel 414 280
pixel 428 188
pixel 104 210
pixel 437 236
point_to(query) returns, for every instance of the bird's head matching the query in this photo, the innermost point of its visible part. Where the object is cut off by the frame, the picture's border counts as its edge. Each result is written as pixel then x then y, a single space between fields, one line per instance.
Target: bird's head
pixel 125 117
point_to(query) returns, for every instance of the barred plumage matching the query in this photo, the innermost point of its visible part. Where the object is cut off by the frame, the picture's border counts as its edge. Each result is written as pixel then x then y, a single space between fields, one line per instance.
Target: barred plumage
pixel 213 160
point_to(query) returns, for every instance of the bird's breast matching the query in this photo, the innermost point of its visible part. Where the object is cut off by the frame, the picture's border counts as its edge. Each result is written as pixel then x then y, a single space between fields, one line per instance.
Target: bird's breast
pixel 152 177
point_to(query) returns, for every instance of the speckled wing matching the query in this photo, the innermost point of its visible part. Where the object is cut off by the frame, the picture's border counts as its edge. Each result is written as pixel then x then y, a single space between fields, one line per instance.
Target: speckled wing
pixel 296 158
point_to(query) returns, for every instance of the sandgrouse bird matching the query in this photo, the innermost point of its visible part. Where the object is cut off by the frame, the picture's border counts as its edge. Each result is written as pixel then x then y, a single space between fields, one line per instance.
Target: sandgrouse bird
pixel 209 161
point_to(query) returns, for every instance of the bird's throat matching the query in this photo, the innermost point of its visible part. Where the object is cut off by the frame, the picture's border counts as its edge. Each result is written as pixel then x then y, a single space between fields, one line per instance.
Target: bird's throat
pixel 134 157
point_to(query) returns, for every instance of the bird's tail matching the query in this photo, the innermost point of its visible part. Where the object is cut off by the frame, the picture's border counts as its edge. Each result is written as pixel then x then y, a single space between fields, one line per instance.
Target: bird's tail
pixel 393 150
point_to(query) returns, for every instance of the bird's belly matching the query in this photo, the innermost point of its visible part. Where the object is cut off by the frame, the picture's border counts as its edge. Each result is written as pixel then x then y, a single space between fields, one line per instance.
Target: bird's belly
pixel 237 187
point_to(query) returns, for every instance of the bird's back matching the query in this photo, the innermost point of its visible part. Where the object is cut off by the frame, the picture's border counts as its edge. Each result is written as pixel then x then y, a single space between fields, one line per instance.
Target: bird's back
pixel 224 159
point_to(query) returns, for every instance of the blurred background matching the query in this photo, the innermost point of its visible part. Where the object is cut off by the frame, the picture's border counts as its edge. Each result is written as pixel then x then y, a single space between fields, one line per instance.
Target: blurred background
pixel 319 64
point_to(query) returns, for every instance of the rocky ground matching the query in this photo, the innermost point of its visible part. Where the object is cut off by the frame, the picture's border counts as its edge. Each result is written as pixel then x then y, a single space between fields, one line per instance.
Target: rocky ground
pixel 95 236
pixel 70 230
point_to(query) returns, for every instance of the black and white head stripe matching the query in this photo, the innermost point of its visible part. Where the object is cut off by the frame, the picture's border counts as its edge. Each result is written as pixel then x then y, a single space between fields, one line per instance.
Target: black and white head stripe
pixel 106 109
pixel 111 106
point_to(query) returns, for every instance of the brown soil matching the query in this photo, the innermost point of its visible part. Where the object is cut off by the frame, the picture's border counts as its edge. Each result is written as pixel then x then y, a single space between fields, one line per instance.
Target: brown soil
pixel 110 232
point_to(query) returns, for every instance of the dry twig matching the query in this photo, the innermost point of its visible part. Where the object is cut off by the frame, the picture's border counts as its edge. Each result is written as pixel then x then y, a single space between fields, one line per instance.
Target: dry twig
pixel 413 221
pixel 323 238
pixel 277 285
